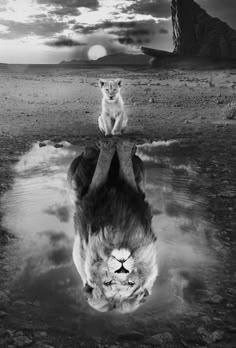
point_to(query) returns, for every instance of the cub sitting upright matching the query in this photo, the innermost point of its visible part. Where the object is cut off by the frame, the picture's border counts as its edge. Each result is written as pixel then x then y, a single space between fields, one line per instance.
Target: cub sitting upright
pixel 113 119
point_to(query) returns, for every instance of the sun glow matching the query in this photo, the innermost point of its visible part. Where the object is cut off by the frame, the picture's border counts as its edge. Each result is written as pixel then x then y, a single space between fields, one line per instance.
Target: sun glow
pixel 96 52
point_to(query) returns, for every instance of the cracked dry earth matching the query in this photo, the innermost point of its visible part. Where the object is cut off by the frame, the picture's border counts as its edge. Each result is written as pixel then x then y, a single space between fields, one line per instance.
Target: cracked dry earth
pixel 47 117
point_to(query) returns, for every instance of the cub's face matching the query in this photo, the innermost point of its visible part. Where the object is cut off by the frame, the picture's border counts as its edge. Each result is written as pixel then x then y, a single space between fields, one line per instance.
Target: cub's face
pixel 110 89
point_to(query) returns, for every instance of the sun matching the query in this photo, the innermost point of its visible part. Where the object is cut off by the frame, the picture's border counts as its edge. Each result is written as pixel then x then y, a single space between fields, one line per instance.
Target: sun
pixel 96 51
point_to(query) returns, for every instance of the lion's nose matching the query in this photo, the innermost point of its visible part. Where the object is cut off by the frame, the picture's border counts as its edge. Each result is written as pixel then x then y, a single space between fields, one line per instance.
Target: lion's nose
pixel 122 270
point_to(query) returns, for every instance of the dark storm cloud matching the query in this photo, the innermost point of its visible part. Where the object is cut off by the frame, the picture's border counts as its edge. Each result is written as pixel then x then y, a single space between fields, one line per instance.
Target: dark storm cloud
pixel 40 27
pixel 64 41
pixel 156 8
pixel 224 10
pixel 92 4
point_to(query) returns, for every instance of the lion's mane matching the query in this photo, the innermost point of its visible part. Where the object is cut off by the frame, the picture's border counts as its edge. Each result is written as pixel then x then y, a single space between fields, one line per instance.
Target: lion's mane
pixel 114 216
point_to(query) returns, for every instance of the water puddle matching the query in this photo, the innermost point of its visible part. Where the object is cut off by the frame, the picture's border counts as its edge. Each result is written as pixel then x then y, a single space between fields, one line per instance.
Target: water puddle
pixel 38 210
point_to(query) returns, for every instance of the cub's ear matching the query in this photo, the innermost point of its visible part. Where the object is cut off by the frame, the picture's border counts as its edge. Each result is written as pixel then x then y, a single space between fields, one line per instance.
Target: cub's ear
pixel 101 83
pixel 119 82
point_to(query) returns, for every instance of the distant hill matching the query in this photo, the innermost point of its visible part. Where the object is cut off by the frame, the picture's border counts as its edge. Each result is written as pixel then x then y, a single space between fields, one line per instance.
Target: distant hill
pixel 114 59
pixel 78 62
pixel 124 59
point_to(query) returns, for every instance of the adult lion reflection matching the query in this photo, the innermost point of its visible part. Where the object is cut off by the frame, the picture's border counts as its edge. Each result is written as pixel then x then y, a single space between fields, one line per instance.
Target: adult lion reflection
pixel 115 248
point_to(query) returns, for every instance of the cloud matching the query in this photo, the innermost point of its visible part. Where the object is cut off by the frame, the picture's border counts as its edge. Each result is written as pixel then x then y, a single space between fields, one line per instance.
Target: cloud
pixel 156 8
pixel 134 32
pixel 63 41
pixel 163 31
pixel 64 11
pixel 108 41
pixel 62 213
pixel 38 16
pixel 54 237
pixel 60 256
pixel 3 5
pixel 43 27
pixel 86 29
pixel 126 32
pixel 162 38
pixel 92 4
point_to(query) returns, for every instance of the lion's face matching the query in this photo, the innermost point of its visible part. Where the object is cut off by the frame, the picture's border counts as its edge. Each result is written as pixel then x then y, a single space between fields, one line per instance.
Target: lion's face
pixel 119 278
pixel 119 275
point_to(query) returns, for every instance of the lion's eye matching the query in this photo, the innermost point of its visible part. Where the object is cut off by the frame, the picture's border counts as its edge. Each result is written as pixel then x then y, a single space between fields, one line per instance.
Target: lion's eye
pixel 107 90
pixel 130 283
pixel 108 283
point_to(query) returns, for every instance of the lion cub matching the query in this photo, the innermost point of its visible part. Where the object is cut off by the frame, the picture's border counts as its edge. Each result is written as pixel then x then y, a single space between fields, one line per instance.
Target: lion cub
pixel 113 119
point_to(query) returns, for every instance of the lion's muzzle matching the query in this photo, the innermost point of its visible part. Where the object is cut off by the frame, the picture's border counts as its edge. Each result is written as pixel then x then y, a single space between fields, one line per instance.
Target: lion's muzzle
pixel 121 261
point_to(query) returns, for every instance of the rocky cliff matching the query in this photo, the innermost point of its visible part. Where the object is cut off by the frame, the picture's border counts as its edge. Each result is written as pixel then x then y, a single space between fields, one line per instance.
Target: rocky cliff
pixel 196 33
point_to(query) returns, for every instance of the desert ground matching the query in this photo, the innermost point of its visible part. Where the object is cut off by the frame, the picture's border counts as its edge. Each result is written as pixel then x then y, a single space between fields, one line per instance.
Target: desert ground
pixel 59 104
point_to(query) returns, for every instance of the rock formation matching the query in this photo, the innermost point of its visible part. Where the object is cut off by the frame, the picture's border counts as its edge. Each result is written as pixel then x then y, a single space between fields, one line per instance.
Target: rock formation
pixel 156 53
pixel 197 34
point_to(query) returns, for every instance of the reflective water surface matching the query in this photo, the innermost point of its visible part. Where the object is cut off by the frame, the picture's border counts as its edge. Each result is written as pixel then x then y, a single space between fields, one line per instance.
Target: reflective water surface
pixel 38 210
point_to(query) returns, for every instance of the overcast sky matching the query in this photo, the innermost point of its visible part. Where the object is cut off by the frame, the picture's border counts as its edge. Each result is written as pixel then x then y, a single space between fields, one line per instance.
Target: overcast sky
pixel 49 31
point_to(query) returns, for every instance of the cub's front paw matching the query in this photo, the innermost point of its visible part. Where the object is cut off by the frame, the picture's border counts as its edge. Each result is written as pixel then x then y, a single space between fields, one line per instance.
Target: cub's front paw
pixel 107 133
pixel 115 132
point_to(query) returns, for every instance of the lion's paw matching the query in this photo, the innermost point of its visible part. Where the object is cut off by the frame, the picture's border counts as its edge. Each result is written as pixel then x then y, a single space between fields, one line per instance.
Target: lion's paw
pixel 126 147
pixel 106 145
